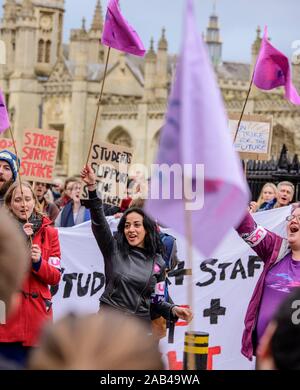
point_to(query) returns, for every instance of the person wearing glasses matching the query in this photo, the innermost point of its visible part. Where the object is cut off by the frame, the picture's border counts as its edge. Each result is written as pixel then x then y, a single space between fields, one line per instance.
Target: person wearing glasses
pixel 280 275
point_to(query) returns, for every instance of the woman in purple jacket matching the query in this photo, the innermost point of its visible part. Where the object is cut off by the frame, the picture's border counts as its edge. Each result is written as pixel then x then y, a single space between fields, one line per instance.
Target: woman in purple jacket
pixel 280 274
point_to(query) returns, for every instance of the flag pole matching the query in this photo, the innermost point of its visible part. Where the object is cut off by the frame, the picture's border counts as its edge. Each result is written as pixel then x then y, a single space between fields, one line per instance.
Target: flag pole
pixel 244 107
pixel 98 108
pixel 19 176
pixel 191 363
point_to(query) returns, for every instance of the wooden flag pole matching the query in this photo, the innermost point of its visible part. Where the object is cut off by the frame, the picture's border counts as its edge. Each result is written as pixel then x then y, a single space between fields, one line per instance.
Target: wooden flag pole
pixel 243 110
pixel 98 108
pixel 189 250
pixel 19 176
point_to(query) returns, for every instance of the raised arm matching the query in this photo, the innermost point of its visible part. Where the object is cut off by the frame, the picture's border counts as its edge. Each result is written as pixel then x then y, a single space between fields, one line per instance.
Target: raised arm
pixel 100 226
pixel 261 240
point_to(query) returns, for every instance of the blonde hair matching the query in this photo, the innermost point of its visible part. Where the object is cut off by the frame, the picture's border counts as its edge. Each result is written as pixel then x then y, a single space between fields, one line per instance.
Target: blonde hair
pixel 105 341
pixel 14 258
pixel 260 199
pixel 11 191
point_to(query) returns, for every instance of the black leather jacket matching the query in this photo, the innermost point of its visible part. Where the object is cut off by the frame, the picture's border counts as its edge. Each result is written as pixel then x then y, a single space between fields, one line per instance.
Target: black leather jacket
pixel 130 280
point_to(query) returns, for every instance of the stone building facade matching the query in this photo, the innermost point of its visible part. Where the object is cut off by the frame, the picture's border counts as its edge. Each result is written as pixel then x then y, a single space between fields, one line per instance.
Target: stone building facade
pixel 52 85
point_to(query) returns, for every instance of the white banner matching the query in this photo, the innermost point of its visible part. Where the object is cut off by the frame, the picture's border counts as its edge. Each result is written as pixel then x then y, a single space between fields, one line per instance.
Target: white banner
pixel 222 287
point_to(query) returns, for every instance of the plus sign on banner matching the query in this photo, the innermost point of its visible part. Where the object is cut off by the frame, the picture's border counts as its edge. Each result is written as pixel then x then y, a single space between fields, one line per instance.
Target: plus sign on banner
pixel 214 311
pixel 222 287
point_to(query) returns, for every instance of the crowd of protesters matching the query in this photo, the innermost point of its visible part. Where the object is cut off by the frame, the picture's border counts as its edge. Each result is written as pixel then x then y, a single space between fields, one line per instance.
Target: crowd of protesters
pixel 30 266
pixel 34 210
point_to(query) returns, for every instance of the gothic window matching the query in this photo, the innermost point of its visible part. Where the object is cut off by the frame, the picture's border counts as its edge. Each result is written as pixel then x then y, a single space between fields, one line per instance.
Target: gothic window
pixel 119 136
pixel 48 52
pixel 60 150
pixel 41 50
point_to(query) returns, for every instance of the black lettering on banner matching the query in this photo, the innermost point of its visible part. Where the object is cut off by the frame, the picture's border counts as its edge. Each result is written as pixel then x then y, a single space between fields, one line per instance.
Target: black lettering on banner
pixel 98 281
pixel 254 263
pixel 223 267
pixel 54 289
pixel 204 267
pixel 214 311
pixel 238 267
pixel 68 278
pixel 82 291
pixel 97 276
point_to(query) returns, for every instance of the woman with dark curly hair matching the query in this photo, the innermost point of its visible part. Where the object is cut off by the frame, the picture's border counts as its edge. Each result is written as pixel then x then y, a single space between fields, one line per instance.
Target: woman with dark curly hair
pixel 134 267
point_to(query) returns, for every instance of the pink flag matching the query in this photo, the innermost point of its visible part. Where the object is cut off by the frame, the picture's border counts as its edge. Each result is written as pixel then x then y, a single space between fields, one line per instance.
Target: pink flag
pixel 272 70
pixel 117 32
pixel 196 136
pixel 4 119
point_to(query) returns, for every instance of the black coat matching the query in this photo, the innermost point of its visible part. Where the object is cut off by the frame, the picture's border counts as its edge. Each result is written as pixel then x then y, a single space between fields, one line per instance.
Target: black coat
pixel 130 280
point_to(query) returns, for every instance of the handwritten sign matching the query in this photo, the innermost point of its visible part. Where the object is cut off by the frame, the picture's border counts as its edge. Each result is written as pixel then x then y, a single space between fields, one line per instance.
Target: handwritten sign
pixel 39 155
pixel 254 137
pixel 111 164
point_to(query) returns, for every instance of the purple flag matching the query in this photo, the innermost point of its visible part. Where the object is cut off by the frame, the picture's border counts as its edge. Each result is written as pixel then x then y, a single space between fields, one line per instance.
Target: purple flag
pixel 196 135
pixel 272 70
pixel 117 32
pixel 4 119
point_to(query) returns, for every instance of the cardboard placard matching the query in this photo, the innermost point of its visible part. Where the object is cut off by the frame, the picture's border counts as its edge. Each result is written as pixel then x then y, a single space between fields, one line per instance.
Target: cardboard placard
pixel 39 153
pixel 254 138
pixel 111 164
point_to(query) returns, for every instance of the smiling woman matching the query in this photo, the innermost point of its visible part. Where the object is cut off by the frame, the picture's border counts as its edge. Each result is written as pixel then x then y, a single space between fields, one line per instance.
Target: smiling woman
pixel 280 275
pixel 18 335
pixel 134 266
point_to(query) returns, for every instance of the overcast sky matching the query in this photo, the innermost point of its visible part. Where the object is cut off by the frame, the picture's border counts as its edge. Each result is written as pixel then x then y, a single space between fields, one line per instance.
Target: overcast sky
pixel 238 21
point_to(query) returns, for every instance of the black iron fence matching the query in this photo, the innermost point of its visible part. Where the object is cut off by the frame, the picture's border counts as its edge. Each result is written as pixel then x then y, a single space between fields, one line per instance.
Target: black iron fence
pixel 275 171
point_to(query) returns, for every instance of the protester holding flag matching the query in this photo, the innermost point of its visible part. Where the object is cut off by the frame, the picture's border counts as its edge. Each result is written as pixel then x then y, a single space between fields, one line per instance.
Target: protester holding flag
pixel 8 172
pixel 280 275
pixel 134 267
pixel 22 329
